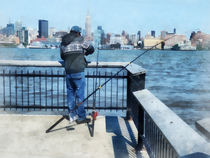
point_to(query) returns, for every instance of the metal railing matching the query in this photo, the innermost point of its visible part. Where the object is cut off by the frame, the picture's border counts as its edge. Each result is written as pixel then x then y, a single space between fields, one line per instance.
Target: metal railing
pixel 35 85
pixel 156 142
pixel 164 134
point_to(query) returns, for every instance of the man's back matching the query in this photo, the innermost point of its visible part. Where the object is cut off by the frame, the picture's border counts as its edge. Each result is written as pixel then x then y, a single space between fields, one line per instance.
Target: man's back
pixel 72 53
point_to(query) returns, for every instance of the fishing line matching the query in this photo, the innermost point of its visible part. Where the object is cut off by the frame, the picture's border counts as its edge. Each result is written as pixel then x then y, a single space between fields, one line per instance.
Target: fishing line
pixel 100 86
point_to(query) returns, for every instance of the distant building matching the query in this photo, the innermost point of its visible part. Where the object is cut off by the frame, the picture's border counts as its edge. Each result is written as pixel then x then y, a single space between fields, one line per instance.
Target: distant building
pixel 83 32
pixel 9 30
pixel 23 35
pixel 124 33
pixel 88 27
pixel 26 36
pixel 99 36
pixel 114 39
pixel 58 35
pixel 108 37
pixel 102 35
pixel 18 26
pixel 125 38
pixel 173 40
pixel 11 40
pixel 2 31
pixel 150 42
pixel 52 32
pixel 99 28
pixel 33 33
pixel 43 29
pixel 148 36
pixel 200 40
pixel 153 33
pixel 139 36
pixel 133 39
pixel 163 34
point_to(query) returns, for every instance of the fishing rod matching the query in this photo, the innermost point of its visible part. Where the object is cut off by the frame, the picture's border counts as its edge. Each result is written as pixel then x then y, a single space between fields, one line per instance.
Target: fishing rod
pixel 97 58
pixel 100 86
pixel 94 113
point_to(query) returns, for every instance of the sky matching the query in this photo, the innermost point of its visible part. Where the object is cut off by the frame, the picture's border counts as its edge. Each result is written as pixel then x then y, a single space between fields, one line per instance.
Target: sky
pixel 113 15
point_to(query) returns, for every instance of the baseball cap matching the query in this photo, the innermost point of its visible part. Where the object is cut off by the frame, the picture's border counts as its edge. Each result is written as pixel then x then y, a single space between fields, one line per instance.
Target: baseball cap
pixel 76 29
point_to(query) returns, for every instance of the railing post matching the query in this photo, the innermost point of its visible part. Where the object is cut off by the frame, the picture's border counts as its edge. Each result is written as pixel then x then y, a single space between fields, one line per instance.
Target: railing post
pixel 166 134
pixel 135 82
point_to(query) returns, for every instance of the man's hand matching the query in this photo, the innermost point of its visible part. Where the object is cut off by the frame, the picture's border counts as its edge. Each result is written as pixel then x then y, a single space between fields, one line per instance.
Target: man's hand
pixel 89 50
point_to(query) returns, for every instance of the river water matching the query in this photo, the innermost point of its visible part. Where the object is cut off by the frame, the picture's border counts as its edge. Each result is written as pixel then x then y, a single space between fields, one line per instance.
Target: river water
pixel 180 79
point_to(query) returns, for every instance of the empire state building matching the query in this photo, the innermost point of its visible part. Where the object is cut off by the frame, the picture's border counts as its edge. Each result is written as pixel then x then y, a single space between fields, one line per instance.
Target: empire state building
pixel 88 27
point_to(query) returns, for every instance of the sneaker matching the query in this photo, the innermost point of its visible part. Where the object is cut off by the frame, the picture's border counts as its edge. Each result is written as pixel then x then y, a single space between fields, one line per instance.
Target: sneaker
pixel 82 120
pixel 72 117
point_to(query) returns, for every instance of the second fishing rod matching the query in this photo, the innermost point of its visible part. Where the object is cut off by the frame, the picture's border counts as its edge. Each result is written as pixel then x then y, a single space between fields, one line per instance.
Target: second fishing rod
pixel 94 113
pixel 123 68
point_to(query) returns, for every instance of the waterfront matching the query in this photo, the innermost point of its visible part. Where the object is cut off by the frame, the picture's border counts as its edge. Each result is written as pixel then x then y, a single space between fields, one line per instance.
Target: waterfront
pixel 178 78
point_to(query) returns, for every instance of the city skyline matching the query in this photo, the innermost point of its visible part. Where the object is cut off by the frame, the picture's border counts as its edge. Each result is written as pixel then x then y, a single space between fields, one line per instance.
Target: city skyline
pixel 184 15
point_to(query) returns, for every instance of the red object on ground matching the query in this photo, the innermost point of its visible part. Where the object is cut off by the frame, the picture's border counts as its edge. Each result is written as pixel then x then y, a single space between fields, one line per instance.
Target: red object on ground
pixel 95 114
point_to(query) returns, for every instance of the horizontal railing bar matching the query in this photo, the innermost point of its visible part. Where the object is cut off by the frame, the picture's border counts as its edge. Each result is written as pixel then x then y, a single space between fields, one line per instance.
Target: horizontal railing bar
pixel 30 75
pixel 104 76
pixel 132 68
pixel 34 63
pixel 58 107
pixel 48 75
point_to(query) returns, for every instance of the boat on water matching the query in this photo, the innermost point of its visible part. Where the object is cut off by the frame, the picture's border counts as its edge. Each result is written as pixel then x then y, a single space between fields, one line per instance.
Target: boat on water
pixel 40 45
pixel 37 47
pixel 21 46
pixel 53 47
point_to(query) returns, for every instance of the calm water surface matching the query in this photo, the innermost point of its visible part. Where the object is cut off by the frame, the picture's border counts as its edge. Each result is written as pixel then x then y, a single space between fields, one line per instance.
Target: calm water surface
pixel 181 79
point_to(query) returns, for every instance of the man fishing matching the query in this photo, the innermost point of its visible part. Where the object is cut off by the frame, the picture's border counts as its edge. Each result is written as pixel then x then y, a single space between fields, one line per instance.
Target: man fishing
pixel 73 51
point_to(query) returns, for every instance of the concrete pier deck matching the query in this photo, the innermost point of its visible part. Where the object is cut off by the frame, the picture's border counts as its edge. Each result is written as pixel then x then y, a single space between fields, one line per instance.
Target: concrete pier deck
pixel 24 136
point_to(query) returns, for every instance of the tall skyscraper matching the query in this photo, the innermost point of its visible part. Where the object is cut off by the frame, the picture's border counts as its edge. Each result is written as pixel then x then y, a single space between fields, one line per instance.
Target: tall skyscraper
pixel 139 36
pixel 23 35
pixel 99 36
pixel 174 30
pixel 123 33
pixel 43 29
pixel 153 33
pixel 10 29
pixel 88 26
